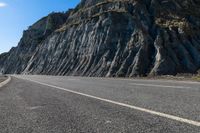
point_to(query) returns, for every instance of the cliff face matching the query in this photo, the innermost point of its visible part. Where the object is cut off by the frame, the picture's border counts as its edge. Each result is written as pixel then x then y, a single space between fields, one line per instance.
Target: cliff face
pixel 112 38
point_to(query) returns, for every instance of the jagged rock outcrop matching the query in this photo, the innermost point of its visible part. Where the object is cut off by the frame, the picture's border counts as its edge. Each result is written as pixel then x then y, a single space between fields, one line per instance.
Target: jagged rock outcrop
pixel 112 38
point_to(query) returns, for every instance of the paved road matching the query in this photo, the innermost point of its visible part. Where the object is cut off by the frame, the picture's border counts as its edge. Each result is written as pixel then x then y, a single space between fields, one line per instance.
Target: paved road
pixel 49 104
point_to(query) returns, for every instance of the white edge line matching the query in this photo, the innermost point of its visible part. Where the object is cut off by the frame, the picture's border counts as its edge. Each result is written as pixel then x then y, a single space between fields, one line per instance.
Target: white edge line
pixel 5 82
pixel 168 116
pixel 164 86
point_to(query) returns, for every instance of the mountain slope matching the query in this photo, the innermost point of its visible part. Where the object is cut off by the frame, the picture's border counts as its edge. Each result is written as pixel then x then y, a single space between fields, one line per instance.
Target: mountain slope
pixel 113 38
pixel 15 61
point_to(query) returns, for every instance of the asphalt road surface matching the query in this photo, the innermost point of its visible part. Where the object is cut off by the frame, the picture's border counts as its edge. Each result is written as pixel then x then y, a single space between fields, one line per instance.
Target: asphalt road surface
pixel 54 104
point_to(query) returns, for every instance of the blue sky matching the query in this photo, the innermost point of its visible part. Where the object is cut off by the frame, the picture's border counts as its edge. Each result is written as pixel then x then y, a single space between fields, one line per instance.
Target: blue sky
pixel 17 15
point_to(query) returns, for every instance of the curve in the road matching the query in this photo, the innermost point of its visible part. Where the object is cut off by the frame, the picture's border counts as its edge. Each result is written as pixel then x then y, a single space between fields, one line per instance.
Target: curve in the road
pixel 5 82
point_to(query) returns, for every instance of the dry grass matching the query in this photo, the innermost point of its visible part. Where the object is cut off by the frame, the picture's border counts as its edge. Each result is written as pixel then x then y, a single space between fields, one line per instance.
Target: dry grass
pixel 171 23
pixel 196 78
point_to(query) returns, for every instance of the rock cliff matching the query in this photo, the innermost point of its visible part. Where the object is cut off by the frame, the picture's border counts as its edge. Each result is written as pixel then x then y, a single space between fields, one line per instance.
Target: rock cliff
pixel 112 38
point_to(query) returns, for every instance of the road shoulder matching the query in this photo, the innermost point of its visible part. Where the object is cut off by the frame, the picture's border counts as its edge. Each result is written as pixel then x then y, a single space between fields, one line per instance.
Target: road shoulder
pixel 4 80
